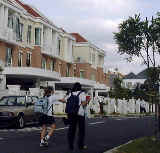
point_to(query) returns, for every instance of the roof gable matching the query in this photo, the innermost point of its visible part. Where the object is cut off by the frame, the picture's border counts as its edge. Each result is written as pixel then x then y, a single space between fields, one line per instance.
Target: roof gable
pixel 78 37
pixel 130 76
pixel 28 9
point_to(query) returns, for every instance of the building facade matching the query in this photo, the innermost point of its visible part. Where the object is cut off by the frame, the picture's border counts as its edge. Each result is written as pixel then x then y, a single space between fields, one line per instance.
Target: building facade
pixel 35 52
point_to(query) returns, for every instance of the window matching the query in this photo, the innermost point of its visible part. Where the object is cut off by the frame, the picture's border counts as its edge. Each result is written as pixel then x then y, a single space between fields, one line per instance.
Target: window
pixel 21 101
pixel 9 57
pixel 43 63
pixel 93 77
pixel 129 84
pixel 20 55
pixel 29 34
pixel 12 101
pixel 93 58
pixel 82 74
pixel 37 36
pixel 68 70
pixel 60 67
pixel 3 101
pixel 17 28
pixel 20 32
pixel 28 60
pixel 10 22
pixel 90 57
pixel 52 65
pixel 59 47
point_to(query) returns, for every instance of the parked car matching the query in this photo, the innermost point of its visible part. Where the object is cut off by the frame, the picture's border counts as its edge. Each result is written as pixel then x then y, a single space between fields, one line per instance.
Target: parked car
pixel 17 110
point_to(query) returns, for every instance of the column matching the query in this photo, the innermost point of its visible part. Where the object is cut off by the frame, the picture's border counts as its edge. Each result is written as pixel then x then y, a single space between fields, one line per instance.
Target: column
pixel 1 15
pixel 5 16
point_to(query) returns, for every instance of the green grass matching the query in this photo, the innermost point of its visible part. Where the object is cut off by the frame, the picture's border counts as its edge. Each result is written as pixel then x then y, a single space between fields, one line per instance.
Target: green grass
pixel 142 145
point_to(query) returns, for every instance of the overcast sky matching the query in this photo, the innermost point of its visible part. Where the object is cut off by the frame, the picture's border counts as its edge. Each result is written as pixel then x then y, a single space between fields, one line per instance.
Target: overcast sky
pixel 96 20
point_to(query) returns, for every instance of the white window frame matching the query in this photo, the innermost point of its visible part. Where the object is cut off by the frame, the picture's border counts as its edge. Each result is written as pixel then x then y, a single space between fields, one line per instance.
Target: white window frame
pixel 20 59
pixel 59 46
pixel 44 63
pixel 52 65
pixel 83 72
pixel 8 53
pixel 30 59
pixel 29 34
pixel 39 34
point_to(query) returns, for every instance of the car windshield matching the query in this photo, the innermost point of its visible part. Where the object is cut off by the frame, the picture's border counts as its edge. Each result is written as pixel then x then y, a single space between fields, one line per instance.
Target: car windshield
pixel 20 101
pixel 3 101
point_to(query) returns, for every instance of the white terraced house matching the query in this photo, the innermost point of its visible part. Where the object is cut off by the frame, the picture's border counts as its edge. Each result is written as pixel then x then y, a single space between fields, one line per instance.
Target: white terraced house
pixel 34 52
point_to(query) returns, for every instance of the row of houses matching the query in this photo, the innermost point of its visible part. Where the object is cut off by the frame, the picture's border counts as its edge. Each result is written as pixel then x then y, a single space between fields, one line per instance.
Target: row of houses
pixel 34 52
pixel 132 80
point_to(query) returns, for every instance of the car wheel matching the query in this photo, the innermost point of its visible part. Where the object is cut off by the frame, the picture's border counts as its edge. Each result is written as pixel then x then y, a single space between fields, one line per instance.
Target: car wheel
pixel 20 122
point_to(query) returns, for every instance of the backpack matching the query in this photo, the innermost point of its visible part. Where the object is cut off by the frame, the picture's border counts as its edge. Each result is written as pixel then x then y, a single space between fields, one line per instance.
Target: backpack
pixel 72 105
pixel 41 106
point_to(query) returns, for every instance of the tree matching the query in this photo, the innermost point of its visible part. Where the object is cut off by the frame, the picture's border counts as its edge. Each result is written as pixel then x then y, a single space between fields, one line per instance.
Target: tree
pixel 1 69
pixel 141 39
pixel 119 92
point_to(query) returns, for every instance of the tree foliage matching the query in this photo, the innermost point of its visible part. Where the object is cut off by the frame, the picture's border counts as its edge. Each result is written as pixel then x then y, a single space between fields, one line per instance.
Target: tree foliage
pixel 139 38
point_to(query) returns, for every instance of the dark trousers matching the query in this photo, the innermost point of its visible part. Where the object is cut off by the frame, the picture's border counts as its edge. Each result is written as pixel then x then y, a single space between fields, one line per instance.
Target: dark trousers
pixel 75 120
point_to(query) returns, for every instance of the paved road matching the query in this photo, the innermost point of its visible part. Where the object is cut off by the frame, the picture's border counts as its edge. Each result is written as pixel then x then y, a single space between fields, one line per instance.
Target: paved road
pixel 102 134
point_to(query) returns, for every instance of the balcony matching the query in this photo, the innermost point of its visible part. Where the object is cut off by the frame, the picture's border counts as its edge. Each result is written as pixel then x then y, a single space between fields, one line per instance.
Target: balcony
pixel 67 82
pixel 32 73
pixel 49 50
pixel 8 35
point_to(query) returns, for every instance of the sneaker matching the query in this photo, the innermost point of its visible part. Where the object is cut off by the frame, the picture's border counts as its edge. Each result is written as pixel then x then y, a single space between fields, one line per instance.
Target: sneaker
pixel 43 144
pixel 45 140
pixel 83 148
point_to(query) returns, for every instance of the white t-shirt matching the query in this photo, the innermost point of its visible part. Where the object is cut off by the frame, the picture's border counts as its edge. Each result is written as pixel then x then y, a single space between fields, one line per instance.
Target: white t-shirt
pixel 82 98
pixel 53 99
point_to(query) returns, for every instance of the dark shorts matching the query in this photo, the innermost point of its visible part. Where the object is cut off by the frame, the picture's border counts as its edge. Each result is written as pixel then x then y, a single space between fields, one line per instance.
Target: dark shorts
pixel 44 119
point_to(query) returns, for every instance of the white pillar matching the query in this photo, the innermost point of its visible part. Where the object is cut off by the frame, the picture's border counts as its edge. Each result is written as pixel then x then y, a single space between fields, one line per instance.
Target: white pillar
pixel 2 16
pixel 5 16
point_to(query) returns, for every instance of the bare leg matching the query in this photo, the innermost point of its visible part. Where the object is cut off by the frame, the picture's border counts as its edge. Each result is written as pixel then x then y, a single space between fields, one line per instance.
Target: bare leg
pixel 43 132
pixel 53 126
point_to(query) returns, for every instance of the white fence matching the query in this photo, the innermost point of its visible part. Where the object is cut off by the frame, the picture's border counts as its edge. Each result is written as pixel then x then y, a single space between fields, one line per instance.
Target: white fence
pixel 111 106
pixel 122 106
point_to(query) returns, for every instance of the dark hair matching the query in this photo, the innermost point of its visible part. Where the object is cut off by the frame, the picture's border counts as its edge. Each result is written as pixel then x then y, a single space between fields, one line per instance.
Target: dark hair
pixel 68 92
pixel 77 87
pixel 47 91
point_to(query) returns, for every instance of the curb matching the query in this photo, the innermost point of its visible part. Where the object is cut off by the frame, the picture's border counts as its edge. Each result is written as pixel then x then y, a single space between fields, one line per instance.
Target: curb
pixel 114 149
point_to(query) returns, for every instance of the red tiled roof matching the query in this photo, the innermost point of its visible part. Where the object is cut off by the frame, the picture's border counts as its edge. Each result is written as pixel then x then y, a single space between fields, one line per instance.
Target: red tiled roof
pixel 28 9
pixel 78 37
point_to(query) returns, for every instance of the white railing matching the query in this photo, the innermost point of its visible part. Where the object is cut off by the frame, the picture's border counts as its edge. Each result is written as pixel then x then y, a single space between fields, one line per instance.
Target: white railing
pixel 49 49
pixel 8 35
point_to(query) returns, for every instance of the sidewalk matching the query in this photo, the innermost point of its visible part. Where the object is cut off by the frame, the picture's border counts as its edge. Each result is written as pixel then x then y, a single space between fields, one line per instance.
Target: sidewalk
pixel 108 115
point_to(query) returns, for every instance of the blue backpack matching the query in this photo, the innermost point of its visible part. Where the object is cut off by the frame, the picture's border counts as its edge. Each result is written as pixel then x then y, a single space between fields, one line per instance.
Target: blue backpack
pixel 41 106
pixel 72 105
